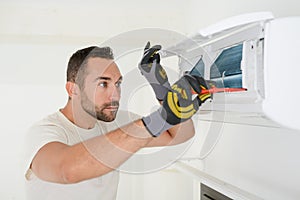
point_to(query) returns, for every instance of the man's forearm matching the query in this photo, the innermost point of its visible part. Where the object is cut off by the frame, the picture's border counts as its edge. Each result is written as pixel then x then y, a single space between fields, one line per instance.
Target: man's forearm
pixel 177 134
pixel 182 132
pixel 102 154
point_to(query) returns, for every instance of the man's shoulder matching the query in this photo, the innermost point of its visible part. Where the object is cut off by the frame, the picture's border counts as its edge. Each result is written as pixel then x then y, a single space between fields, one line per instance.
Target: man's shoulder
pixel 53 119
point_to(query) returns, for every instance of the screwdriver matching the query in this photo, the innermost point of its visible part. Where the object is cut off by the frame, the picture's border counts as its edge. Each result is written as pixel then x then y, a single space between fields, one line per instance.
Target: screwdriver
pixel 217 90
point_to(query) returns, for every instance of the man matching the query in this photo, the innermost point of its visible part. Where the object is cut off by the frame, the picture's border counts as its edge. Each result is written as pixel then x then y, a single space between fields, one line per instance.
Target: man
pixel 73 153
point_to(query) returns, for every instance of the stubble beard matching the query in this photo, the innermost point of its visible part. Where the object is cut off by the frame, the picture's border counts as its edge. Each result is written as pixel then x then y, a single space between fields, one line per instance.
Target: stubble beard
pixel 99 112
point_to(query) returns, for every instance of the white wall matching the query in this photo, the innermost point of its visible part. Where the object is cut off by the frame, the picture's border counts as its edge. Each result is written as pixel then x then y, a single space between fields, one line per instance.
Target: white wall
pixel 200 14
pixel 91 18
pixel 36 40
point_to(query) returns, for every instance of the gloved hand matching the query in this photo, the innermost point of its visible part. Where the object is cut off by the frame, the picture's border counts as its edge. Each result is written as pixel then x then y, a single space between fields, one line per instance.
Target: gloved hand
pixel 154 73
pixel 205 85
pixel 178 105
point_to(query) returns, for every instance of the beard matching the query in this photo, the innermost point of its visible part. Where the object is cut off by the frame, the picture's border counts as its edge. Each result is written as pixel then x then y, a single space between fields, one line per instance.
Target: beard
pixel 100 113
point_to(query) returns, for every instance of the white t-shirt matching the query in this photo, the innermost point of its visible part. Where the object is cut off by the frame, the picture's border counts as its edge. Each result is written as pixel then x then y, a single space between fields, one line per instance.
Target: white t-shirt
pixel 57 127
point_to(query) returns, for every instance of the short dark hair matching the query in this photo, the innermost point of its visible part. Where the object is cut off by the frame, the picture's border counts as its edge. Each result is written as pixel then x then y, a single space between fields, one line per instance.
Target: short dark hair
pixel 77 62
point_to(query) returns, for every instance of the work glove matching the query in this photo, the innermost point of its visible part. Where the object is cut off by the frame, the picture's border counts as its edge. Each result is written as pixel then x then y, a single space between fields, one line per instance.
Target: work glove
pixel 151 68
pixel 205 86
pixel 178 105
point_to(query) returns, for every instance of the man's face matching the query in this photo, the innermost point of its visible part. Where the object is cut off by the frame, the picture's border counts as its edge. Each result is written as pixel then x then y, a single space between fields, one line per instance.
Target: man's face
pixel 101 93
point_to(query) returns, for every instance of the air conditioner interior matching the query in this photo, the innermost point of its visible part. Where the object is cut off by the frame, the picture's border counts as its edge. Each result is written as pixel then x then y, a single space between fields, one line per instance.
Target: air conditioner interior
pixel 238 66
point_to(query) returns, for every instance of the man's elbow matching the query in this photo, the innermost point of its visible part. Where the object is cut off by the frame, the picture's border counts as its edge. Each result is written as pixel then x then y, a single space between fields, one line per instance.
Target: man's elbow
pixel 192 132
pixel 69 175
pixel 190 135
pixel 188 131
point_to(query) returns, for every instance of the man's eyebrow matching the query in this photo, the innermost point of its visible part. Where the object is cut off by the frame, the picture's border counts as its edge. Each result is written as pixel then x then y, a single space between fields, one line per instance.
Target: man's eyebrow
pixel 102 78
pixel 107 78
pixel 121 78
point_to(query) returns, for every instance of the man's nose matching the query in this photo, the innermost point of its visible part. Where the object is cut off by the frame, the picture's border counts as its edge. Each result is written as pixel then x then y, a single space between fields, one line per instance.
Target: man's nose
pixel 115 94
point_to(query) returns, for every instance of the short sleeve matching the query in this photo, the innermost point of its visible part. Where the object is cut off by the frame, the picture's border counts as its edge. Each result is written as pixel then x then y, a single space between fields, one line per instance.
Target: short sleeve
pixel 39 135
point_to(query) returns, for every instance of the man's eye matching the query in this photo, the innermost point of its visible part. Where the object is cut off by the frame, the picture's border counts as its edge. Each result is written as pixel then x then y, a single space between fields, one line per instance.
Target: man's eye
pixel 103 84
pixel 118 84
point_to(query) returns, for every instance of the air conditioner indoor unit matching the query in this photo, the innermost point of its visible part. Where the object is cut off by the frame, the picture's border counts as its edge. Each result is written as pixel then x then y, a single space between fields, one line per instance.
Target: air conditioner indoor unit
pixel 254 54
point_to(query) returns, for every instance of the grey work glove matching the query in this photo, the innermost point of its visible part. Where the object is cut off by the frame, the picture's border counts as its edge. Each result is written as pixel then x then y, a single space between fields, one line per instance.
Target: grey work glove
pixel 154 73
pixel 178 105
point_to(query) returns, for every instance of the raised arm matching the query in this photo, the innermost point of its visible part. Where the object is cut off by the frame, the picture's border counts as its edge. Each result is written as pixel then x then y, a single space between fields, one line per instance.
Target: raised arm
pixel 60 163
pixel 157 77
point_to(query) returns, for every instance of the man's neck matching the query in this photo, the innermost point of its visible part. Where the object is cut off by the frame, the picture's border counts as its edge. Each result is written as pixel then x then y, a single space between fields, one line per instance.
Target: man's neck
pixel 78 116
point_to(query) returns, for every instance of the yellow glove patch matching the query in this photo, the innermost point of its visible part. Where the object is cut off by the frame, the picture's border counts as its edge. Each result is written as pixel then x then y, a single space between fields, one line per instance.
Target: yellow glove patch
pixel 180 91
pixel 180 112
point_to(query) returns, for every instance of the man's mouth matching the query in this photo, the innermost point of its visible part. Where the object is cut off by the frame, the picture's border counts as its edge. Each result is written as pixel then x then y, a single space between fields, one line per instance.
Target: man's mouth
pixel 112 108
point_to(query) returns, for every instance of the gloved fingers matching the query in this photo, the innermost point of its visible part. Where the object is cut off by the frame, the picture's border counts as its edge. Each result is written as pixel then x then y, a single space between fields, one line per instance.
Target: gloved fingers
pixel 204 97
pixel 156 58
pixel 198 84
pixel 150 54
pixel 157 47
pixel 198 99
pixel 205 85
pixel 194 82
pixel 147 46
pixel 210 84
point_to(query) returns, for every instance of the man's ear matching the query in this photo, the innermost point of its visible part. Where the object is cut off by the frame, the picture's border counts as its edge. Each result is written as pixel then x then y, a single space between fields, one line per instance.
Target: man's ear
pixel 72 89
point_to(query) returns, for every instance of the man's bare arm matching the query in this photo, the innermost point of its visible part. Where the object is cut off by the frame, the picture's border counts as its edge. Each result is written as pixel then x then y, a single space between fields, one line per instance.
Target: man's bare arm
pixel 175 135
pixel 60 163
pixel 70 164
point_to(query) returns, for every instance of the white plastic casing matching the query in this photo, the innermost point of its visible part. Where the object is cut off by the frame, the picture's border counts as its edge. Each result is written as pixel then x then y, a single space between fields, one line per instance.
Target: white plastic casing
pixel 282 71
